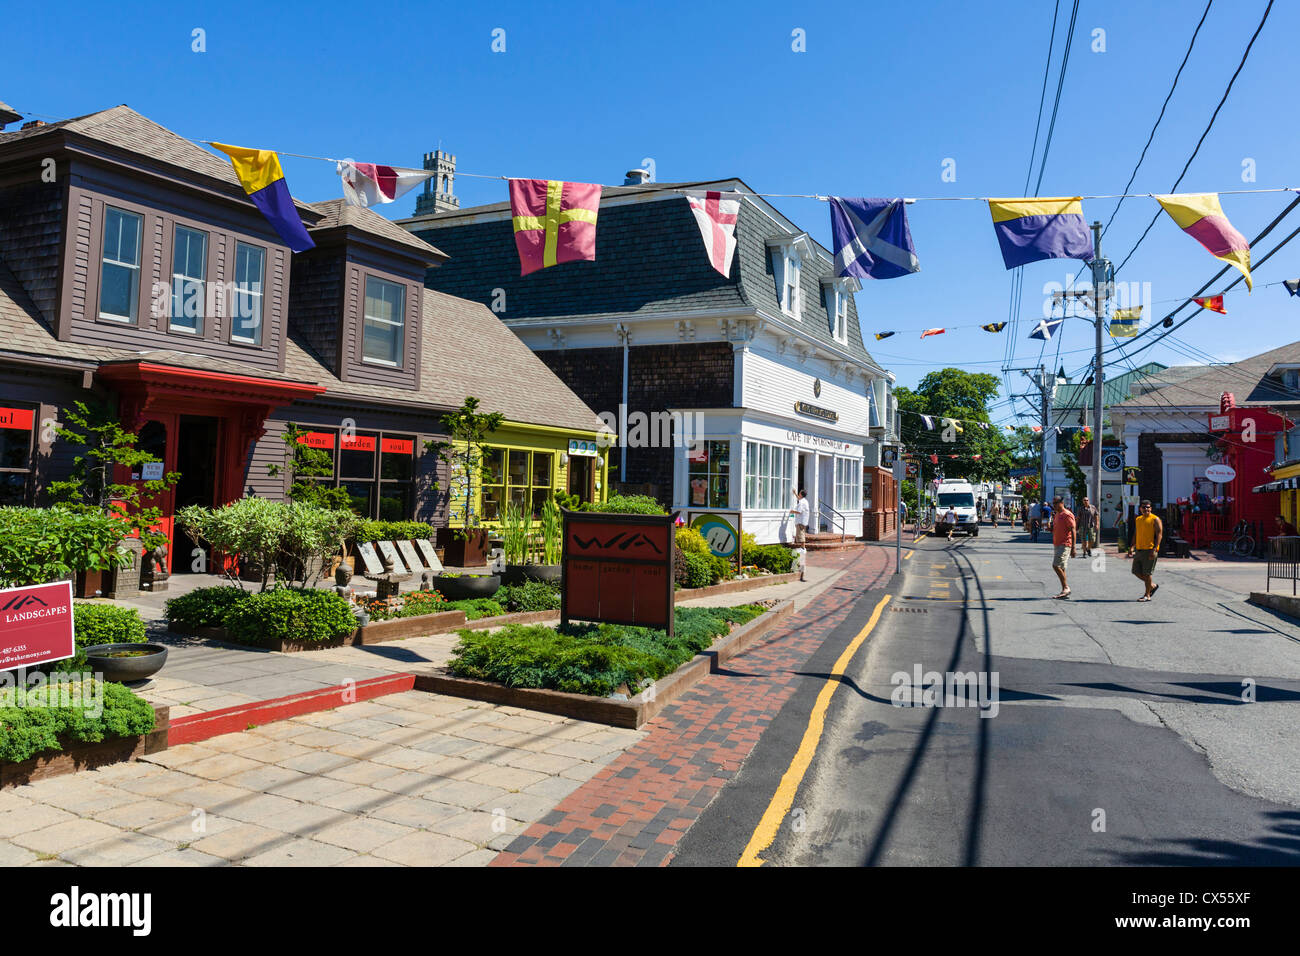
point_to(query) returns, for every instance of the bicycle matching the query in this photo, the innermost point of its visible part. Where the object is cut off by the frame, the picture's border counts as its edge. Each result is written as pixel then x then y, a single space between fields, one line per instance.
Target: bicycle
pixel 1243 542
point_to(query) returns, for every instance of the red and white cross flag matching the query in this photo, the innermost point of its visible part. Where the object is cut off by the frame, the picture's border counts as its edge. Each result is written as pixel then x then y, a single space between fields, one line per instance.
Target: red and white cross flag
pixel 716 213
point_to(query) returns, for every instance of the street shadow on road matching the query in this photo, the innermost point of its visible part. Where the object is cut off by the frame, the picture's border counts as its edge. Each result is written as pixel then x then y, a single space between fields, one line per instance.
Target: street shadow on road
pixel 1231 692
pixel 1278 847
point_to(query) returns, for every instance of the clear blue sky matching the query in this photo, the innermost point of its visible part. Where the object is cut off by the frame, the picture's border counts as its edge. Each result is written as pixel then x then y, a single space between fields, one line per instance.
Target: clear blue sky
pixel 882 96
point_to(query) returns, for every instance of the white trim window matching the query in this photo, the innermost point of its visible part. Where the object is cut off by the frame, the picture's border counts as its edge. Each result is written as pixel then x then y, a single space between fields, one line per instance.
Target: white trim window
pixel 189 275
pixel 788 254
pixel 119 271
pixel 769 476
pixel 835 293
pixel 250 276
pixel 385 322
pixel 848 484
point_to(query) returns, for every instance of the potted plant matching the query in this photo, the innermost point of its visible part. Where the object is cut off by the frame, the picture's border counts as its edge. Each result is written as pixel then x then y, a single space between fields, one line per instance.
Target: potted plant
pixel 552 530
pixel 465 455
pixel 459 587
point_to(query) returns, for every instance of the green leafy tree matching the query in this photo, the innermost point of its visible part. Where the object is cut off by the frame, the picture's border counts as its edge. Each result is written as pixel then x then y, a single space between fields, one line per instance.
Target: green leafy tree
pixel 306 467
pixel 466 453
pixel 92 484
pixel 983 454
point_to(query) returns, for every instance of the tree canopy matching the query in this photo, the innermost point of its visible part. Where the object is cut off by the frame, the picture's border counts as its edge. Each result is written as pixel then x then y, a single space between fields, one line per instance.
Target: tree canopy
pixel 982 454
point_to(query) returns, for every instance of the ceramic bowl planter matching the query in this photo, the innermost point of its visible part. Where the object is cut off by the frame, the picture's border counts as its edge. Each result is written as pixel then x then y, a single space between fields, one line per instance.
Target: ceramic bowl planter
pixel 124 663
pixel 467 586
pixel 523 573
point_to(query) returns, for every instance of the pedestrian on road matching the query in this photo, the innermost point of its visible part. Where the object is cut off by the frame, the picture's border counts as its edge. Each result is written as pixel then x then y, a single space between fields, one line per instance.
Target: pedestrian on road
pixel 1035 517
pixel 950 519
pixel 1147 533
pixel 1090 520
pixel 800 513
pixel 993 514
pixel 903 507
pixel 1063 529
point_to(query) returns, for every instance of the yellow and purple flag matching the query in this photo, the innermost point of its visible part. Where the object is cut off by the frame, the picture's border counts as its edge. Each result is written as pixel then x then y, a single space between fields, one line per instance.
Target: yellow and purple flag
pixel 260 174
pixel 1029 230
pixel 1201 217
pixel 554 221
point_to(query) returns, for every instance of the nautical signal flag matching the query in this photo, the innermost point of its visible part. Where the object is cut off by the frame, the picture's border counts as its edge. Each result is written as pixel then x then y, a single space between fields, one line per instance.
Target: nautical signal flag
pixel 934 459
pixel 883 335
pixel 1201 217
pixel 933 332
pixel 1124 323
pixel 716 214
pixel 554 222
pixel 263 180
pixel 994 327
pixel 929 422
pixel 1292 285
pixel 1029 230
pixel 365 184
pixel 871 238
pixel 1214 303
pixel 1045 329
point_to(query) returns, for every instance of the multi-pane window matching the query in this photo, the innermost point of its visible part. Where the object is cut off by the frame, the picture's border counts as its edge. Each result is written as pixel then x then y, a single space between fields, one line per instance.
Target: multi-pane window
pixel 521 477
pixel 840 300
pixel 384 322
pixel 709 474
pixel 189 271
pixel 376 469
pixel 119 277
pixel 16 432
pixel 247 301
pixel 769 475
pixel 848 476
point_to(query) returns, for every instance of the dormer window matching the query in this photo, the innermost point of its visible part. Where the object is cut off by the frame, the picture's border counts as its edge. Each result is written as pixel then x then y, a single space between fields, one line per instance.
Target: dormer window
pixel 788 255
pixel 835 293
pixel 384 322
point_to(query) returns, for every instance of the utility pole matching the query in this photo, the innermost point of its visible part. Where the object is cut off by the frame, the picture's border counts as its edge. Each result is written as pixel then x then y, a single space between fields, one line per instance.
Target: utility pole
pixel 1102 278
pixel 1045 397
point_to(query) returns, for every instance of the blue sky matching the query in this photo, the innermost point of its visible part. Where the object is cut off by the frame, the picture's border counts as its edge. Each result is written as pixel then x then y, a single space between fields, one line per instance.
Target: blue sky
pixel 882 96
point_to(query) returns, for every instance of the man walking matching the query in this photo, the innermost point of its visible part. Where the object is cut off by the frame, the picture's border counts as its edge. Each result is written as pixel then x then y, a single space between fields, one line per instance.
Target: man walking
pixel 1034 519
pixel 1144 546
pixel 1090 520
pixel 950 519
pixel 801 528
pixel 1063 530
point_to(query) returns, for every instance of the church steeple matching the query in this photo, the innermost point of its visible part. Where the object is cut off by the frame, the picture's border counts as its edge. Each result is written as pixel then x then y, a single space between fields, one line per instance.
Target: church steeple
pixel 438 195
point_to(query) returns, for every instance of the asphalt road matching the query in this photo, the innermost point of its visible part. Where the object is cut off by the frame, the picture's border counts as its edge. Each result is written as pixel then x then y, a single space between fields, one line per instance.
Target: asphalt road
pixel 1116 732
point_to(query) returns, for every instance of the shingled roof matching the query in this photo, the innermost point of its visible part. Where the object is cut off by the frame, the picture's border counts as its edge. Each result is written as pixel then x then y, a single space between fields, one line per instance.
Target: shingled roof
pixel 339 214
pixel 1204 385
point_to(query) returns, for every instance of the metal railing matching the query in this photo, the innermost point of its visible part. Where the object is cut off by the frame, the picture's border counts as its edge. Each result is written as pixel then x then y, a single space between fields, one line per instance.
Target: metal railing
pixel 1283 560
pixel 823 508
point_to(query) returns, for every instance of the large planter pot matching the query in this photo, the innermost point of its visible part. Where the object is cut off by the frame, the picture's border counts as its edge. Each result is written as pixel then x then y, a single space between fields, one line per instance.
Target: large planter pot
pixel 464 549
pixel 145 661
pixel 522 573
pixel 459 589
pixel 87 583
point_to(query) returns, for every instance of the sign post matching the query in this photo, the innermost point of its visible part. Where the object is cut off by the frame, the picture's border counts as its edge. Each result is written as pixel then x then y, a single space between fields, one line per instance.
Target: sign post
pixel 900 470
pixel 617 569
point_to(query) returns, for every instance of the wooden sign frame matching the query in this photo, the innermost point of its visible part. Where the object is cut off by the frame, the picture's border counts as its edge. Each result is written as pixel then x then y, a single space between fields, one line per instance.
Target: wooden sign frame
pixel 597 545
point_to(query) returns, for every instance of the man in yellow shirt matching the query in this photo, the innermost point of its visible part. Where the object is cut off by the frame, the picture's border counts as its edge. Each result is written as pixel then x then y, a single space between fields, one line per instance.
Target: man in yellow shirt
pixel 1147 533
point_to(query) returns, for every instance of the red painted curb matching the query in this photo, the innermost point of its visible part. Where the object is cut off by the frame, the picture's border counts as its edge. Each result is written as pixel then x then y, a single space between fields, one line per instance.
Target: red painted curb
pixel 229 720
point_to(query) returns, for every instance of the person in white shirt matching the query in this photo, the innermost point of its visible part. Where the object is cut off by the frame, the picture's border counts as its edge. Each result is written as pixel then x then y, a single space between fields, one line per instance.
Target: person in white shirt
pixel 800 513
pixel 950 519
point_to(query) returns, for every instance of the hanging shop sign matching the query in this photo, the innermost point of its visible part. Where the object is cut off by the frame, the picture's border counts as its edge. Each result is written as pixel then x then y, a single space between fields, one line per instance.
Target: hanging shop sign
pixel 618 569
pixel 1112 459
pixel 36 625
pixel 816 411
pixel 1131 473
pixel 1220 474
pixel 1220 423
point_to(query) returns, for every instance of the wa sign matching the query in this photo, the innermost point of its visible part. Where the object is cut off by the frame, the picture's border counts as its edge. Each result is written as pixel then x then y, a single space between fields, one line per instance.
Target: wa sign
pixel 35 625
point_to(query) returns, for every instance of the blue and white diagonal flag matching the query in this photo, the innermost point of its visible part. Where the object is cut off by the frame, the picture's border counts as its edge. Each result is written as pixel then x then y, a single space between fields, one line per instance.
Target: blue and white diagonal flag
pixel 1045 329
pixel 871 238
pixel 929 422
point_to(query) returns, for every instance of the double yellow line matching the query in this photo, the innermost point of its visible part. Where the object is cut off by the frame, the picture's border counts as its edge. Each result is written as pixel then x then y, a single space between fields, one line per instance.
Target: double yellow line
pixel 783 799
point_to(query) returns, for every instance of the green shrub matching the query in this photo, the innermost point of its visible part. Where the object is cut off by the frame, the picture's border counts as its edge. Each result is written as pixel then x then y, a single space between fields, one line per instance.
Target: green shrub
pixel 203 607
pixel 591 659
pixel 691 541
pixel 106 624
pixel 45 544
pixel 476 608
pixel 631 505
pixel 723 568
pixel 699 571
pixel 681 573
pixel 29 725
pixel 771 557
pixel 529 596
pixel 290 615
pixel 393 531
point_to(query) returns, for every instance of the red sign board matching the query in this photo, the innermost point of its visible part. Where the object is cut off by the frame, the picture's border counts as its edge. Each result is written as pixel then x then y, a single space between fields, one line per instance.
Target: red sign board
pixel 357 443
pixel 317 439
pixel 618 569
pixel 20 418
pixel 397 446
pixel 36 625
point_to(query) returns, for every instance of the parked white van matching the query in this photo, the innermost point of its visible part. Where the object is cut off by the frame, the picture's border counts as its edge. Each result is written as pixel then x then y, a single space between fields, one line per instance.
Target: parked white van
pixel 959 495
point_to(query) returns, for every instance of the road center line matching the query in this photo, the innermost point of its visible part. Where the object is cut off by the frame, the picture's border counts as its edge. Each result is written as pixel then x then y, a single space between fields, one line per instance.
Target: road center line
pixel 783 799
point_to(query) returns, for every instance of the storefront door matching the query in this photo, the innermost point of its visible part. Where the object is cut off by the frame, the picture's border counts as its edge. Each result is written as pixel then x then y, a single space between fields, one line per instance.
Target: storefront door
pixel 196 460
pixel 581 473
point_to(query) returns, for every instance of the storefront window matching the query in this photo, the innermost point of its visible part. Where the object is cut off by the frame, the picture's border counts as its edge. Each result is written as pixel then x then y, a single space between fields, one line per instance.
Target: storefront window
pixel 494 483
pixel 769 476
pixel 848 492
pixel 709 474
pixel 376 469
pixel 16 432
pixel 543 463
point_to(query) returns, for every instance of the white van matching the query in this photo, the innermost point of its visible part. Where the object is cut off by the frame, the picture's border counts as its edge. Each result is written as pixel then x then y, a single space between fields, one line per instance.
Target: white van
pixel 959 495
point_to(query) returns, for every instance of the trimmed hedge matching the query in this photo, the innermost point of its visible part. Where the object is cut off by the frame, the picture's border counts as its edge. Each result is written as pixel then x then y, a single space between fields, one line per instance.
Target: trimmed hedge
pixel 393 531
pixel 529 596
pixel 46 544
pixel 771 557
pixel 106 624
pixel 630 505
pixel 594 659
pixel 290 615
pixel 29 725
pixel 204 607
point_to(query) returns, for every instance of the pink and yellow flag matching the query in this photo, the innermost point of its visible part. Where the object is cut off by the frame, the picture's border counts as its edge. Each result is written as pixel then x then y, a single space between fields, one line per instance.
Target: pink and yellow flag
pixel 1201 217
pixel 554 221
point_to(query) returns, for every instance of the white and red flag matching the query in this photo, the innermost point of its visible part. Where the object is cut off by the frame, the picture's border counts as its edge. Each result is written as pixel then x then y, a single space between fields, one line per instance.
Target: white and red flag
pixel 366 184
pixel 716 212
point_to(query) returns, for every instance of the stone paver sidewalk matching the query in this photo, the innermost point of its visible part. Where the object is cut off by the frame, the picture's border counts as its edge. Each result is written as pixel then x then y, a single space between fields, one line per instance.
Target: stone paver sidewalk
pixel 409 779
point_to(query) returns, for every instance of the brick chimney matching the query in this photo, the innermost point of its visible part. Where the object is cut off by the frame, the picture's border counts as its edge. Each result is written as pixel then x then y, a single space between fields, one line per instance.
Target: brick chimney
pixel 32 124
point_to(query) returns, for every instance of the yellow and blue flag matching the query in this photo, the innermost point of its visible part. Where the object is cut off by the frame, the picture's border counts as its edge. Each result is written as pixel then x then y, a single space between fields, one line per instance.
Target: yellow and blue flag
pixel 260 174
pixel 1029 230
pixel 1125 322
